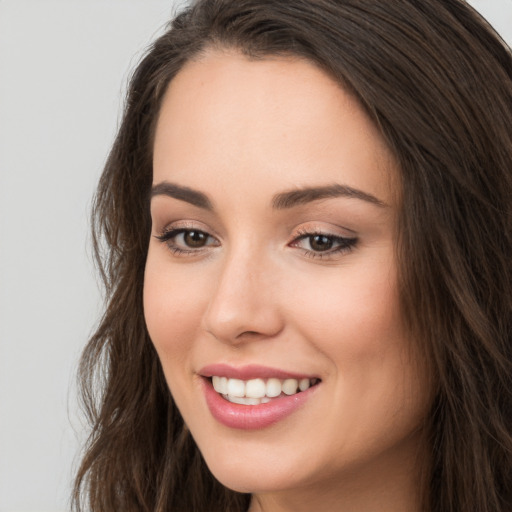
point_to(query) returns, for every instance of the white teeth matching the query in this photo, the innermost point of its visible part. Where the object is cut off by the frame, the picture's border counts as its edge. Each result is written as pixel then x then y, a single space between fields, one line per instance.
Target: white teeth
pixel 304 384
pixel 273 388
pixel 236 387
pixel 290 386
pixel 255 388
pixel 256 391
pixel 237 400
pixel 223 385
pixel 246 401
pixel 220 384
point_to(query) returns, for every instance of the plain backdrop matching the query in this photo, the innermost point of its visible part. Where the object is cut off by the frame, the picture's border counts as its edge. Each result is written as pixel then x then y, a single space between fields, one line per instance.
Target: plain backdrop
pixel 63 70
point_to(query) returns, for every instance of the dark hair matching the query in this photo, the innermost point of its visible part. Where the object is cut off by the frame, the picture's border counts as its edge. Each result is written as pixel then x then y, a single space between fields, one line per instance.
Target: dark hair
pixel 437 81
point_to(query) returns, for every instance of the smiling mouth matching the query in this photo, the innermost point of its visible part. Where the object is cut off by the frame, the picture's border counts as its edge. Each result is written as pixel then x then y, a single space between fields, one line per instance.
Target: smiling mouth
pixel 259 391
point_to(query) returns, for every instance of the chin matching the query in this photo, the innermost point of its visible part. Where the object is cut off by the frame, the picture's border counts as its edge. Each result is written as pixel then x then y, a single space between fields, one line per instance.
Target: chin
pixel 248 480
pixel 258 469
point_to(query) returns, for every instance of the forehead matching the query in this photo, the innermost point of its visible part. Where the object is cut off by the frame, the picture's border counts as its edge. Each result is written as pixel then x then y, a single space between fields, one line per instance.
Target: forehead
pixel 225 117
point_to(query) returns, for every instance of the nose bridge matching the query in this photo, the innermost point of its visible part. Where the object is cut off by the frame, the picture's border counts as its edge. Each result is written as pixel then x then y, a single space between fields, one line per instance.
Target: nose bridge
pixel 243 301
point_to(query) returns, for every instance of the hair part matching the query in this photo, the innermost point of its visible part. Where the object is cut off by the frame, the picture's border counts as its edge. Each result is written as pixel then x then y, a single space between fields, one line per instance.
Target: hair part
pixel 437 81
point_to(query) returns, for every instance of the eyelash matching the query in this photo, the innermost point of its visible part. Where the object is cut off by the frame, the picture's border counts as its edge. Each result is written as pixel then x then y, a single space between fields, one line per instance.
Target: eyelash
pixel 169 235
pixel 344 244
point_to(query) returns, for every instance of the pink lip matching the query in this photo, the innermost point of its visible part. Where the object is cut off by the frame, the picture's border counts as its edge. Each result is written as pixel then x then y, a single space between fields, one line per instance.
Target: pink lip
pixel 251 417
pixel 249 372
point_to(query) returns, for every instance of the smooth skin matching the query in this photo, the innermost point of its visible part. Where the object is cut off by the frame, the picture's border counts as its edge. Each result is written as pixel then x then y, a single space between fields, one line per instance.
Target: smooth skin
pixel 309 287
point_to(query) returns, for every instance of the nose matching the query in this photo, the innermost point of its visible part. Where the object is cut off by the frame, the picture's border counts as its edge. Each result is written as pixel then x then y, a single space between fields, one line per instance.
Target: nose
pixel 244 304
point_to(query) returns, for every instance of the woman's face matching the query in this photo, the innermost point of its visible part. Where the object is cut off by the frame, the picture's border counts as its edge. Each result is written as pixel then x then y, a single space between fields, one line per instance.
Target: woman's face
pixel 271 269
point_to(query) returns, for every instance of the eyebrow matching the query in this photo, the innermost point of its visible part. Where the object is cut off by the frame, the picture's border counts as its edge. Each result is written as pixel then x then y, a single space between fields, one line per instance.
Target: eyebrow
pixel 181 193
pixel 281 201
pixel 306 195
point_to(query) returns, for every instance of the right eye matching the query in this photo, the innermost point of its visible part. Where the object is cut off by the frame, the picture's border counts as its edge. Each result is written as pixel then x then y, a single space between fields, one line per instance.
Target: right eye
pixel 187 240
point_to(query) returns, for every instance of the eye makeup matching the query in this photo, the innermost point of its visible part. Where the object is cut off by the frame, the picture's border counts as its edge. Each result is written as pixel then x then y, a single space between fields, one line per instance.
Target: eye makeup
pixel 323 244
pixel 189 240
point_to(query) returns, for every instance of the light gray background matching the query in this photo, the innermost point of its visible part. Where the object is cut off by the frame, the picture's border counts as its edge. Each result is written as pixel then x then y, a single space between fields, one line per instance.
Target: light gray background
pixel 63 67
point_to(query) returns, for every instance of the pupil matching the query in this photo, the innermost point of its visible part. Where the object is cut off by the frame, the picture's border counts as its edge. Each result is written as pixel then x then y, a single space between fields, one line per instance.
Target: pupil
pixel 320 243
pixel 195 238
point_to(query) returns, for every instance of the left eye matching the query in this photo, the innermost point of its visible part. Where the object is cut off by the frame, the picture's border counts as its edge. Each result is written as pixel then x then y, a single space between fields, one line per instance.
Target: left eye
pixel 321 243
pixel 193 239
pixel 186 240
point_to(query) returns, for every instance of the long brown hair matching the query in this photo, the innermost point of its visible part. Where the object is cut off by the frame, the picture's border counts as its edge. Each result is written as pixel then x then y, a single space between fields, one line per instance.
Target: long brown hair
pixel 437 81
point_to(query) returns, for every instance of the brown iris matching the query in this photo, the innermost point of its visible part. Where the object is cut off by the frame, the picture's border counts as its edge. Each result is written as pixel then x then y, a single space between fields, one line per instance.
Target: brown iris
pixel 320 242
pixel 195 239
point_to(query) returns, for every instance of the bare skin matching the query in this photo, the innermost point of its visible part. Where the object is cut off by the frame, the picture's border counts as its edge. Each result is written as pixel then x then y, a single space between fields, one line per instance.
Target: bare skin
pixel 242 272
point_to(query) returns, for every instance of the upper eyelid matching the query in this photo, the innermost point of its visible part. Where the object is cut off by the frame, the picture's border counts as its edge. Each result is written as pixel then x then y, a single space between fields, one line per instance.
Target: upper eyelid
pixel 169 233
pixel 297 233
pixel 187 225
pixel 178 230
pixel 337 231
pixel 327 227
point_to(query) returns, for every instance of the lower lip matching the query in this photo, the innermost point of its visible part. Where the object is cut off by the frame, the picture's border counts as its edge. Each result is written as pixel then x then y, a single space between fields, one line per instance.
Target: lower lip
pixel 252 417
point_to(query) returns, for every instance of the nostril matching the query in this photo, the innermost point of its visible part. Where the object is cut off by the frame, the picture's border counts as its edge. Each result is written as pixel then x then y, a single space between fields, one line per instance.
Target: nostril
pixel 249 334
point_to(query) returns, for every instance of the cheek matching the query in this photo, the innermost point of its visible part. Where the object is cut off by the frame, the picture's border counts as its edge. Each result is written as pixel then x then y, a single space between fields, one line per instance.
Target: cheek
pixel 377 383
pixel 173 306
pixel 354 313
pixel 355 322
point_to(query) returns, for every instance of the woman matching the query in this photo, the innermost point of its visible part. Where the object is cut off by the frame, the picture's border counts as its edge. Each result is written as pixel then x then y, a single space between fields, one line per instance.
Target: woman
pixel 307 227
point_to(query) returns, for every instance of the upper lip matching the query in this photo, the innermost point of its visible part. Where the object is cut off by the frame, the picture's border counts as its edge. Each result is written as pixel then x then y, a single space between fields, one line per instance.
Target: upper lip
pixel 251 371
